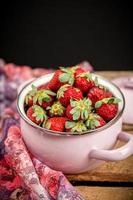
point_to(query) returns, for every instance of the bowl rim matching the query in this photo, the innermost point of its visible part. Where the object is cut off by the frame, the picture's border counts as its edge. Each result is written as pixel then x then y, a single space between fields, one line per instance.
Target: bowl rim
pixel 55 133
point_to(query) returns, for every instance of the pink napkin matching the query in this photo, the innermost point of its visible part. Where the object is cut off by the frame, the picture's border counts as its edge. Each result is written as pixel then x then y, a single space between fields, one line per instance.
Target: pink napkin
pixel 22 176
pixel 41 181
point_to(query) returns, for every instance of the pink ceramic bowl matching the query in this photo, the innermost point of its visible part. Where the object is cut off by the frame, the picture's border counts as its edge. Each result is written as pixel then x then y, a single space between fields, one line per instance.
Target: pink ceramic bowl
pixel 72 153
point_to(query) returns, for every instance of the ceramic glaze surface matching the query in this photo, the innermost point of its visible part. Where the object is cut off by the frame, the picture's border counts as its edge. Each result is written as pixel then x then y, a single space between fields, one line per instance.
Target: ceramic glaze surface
pixel 75 153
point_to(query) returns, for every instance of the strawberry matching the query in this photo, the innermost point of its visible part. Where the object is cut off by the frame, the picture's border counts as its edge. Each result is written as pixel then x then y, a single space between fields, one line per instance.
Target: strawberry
pixel 96 94
pixel 107 108
pixel 56 109
pixel 84 81
pixel 78 71
pixel 30 95
pixel 72 126
pixel 64 76
pixel 36 114
pixel 44 98
pixel 67 92
pixel 54 84
pixel 94 121
pixel 78 109
pixel 56 124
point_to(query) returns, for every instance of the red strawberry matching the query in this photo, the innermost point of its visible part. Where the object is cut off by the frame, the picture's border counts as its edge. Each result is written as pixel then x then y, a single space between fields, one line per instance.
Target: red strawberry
pixel 45 104
pixel 44 98
pixel 36 114
pixel 78 71
pixel 78 109
pixel 68 112
pixel 94 121
pixel 72 126
pixel 56 124
pixel 54 84
pixel 84 82
pixel 96 94
pixel 67 92
pixel 64 76
pixel 56 109
pixel 107 108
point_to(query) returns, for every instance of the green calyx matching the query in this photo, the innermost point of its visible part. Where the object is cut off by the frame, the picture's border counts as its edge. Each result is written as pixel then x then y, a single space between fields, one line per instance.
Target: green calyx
pixel 93 121
pixel 112 100
pixel 86 75
pixel 47 125
pixel 43 95
pixel 60 92
pixel 76 126
pixel 39 113
pixel 67 75
pixel 81 108
pixel 31 94
pixel 56 109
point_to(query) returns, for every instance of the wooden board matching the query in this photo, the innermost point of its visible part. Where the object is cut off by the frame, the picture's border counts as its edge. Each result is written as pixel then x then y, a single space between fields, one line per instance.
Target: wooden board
pixel 106 193
pixel 115 173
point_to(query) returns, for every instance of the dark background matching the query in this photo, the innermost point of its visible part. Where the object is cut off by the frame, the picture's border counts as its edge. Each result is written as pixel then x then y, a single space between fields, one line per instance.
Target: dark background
pixel 47 34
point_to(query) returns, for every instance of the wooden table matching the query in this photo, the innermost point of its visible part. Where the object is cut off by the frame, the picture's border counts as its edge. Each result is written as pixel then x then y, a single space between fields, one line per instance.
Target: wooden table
pixel 112 180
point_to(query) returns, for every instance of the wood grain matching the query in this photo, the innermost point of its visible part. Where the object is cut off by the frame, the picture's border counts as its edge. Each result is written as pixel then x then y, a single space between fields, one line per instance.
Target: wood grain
pixel 106 193
pixel 115 74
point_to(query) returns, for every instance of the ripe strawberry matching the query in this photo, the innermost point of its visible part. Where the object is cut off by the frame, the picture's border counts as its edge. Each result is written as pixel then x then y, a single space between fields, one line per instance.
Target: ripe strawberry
pixel 84 82
pixel 107 108
pixel 72 126
pixel 44 98
pixel 30 95
pixel 67 92
pixel 96 94
pixel 94 121
pixel 56 109
pixel 54 84
pixel 64 76
pixel 56 124
pixel 79 70
pixel 36 114
pixel 78 109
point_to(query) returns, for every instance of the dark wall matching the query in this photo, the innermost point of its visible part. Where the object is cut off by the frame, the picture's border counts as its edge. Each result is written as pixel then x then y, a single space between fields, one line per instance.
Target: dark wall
pixel 47 33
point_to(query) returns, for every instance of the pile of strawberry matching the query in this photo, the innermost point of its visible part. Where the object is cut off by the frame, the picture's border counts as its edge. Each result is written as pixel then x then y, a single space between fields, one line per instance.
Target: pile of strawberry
pixel 71 102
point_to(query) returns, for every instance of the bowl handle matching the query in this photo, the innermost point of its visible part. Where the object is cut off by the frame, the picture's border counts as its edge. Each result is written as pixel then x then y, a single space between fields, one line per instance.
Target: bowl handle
pixel 116 154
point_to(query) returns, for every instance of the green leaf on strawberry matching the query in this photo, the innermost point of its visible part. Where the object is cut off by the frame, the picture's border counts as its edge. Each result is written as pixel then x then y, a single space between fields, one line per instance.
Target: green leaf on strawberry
pixel 47 125
pixel 60 92
pixel 93 121
pixel 98 104
pixel 30 94
pixel 43 95
pixel 39 113
pixel 76 126
pixel 112 100
pixel 64 77
pixel 56 109
pixel 86 75
pixel 81 108
pixel 69 124
pixel 67 75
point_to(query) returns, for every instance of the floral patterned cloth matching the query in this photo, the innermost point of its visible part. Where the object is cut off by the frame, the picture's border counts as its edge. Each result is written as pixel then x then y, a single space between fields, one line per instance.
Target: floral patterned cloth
pixel 22 176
